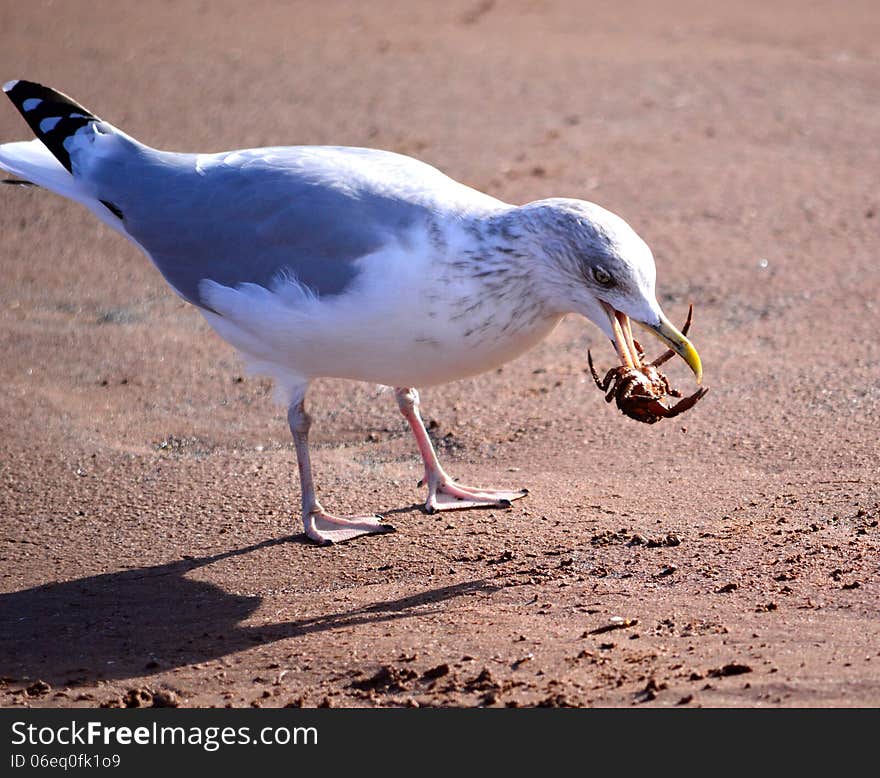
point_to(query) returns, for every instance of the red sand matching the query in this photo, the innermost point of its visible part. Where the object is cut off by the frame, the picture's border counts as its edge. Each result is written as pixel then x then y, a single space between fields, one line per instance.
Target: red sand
pixel 149 536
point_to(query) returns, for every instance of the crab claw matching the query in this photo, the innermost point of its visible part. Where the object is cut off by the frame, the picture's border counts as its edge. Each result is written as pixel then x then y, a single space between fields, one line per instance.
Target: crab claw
pixel 687 403
pixel 680 407
pixel 649 410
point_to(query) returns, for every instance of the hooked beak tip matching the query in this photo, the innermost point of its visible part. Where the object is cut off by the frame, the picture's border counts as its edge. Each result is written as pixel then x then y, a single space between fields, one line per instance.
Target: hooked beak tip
pixel 666 331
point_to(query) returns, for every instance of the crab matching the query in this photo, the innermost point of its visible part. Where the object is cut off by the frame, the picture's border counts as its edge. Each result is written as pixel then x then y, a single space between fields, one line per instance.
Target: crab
pixel 638 388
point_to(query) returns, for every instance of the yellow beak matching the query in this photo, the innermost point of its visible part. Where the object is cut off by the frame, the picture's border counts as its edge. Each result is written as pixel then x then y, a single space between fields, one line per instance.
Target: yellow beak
pixel 668 333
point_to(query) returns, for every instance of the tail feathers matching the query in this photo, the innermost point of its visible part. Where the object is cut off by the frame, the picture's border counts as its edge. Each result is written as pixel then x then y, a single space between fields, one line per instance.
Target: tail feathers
pixel 34 163
pixel 53 116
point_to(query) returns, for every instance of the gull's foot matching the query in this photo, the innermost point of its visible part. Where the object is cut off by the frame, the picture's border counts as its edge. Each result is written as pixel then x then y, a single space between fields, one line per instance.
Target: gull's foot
pixel 324 529
pixel 450 496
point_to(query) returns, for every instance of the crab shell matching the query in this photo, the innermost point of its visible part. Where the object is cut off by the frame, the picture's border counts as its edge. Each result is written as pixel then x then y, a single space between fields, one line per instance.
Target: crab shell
pixel 645 381
pixel 638 390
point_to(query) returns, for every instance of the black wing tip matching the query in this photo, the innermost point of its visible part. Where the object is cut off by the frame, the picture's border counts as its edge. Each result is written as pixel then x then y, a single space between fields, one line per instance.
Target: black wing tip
pixel 21 89
pixel 52 115
pixel 113 208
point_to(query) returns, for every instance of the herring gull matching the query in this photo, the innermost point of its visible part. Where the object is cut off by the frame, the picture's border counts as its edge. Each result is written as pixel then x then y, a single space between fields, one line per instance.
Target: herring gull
pixel 319 261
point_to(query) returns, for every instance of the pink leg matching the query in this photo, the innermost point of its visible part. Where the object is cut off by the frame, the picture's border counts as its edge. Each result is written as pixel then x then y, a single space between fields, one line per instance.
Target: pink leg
pixel 320 526
pixel 444 494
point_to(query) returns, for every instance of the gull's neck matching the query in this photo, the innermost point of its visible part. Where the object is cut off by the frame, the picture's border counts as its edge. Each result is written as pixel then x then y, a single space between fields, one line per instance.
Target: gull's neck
pixel 503 244
pixel 488 274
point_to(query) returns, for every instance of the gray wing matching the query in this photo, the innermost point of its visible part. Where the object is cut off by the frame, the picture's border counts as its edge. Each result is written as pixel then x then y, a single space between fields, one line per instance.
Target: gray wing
pixel 253 216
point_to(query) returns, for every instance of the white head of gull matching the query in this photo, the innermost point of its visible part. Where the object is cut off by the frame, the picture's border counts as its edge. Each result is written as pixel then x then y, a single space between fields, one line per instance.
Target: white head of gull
pixel 350 263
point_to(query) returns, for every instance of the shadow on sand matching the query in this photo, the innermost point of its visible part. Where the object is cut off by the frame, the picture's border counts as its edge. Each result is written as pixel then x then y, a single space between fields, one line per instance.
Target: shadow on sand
pixel 152 619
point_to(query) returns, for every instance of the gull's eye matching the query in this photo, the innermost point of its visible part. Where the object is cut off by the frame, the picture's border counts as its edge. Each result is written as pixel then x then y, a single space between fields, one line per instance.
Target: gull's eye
pixel 602 276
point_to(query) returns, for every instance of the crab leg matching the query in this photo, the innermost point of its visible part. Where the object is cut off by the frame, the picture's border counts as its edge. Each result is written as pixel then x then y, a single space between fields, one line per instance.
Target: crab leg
pixel 620 342
pixel 626 328
pixel 624 343
pixel 606 382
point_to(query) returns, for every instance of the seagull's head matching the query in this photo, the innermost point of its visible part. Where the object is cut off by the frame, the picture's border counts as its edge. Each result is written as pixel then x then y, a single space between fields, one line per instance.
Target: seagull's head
pixel 601 269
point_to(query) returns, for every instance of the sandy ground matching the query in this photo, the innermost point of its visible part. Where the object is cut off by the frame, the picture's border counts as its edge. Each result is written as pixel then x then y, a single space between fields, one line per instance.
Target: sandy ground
pixel 150 540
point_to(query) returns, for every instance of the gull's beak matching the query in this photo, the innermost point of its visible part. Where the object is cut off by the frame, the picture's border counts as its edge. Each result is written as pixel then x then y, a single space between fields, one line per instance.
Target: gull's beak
pixel 668 333
pixel 665 331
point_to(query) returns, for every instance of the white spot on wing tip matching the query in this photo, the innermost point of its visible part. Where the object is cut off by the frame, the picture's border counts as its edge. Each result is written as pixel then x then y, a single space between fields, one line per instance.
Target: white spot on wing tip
pixel 10 85
pixel 48 124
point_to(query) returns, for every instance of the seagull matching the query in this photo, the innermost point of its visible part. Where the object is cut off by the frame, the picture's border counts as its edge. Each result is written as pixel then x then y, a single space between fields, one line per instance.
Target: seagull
pixel 353 263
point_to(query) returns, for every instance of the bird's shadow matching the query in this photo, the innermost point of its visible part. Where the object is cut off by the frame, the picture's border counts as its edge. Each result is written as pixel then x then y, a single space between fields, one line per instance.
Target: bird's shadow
pixel 147 620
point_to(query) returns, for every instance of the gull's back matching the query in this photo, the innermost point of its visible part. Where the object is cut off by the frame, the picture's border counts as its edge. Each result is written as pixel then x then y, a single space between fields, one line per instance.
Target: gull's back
pixel 242 217
pixel 253 216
